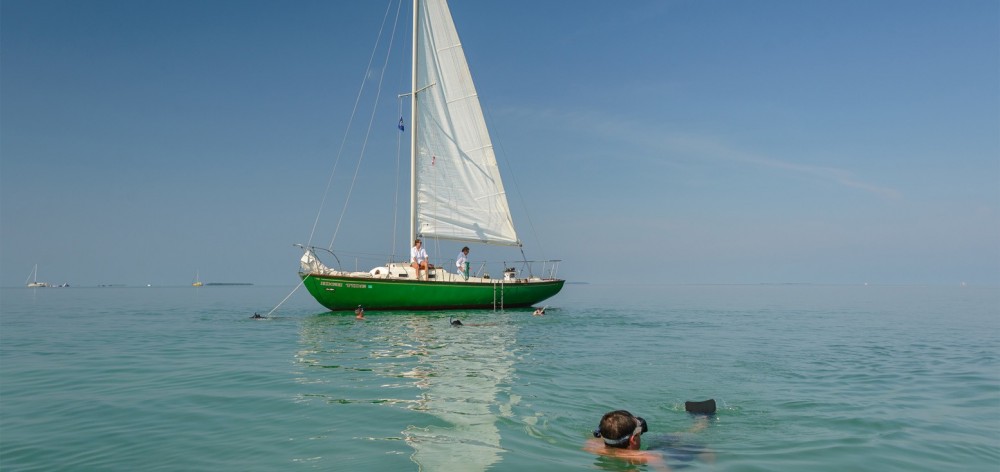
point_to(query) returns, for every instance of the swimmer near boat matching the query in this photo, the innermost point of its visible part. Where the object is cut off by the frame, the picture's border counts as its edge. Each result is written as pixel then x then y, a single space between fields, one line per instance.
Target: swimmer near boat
pixel 456 323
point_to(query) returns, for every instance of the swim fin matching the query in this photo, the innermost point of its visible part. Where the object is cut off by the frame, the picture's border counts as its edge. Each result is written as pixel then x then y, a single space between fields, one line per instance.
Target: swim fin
pixel 706 407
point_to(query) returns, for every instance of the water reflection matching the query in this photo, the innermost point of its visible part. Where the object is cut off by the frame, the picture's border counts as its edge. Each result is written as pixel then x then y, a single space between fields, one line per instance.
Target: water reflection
pixel 457 378
pixel 463 373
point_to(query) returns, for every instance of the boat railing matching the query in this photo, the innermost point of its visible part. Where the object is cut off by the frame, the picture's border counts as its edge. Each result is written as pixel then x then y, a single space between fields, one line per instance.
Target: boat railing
pixel 521 269
pixel 546 269
pixel 360 262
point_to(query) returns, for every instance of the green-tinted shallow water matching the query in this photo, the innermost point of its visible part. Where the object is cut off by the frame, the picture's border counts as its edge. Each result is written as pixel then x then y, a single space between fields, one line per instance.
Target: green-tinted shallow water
pixel 807 378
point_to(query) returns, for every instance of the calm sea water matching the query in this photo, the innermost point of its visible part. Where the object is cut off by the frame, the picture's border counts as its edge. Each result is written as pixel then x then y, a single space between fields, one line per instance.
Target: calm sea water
pixel 806 377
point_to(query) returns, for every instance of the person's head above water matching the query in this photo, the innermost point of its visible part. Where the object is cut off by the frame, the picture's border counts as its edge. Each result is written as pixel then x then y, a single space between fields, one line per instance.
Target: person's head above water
pixel 621 429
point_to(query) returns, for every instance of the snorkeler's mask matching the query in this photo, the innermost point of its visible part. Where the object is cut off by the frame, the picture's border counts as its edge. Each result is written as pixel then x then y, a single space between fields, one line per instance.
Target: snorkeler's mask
pixel 640 427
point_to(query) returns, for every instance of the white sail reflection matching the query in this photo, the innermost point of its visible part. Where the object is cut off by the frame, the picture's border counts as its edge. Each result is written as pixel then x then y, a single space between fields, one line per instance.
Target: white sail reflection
pixel 345 362
pixel 461 376
pixel 457 379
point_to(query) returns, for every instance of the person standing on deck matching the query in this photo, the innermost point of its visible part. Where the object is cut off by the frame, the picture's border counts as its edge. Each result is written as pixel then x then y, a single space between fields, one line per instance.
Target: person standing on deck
pixel 462 263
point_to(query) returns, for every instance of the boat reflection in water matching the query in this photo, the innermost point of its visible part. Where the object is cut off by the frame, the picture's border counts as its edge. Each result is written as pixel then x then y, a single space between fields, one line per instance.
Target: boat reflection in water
pixel 454 383
pixel 464 377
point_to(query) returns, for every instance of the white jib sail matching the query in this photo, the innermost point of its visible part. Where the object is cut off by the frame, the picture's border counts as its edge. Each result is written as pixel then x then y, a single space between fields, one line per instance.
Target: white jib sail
pixel 459 194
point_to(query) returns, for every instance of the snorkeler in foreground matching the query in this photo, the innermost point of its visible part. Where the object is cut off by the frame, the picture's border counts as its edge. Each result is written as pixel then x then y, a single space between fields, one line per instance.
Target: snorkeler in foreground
pixel 619 435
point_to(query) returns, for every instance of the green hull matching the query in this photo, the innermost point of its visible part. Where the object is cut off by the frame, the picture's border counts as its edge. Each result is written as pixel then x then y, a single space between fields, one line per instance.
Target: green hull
pixel 346 293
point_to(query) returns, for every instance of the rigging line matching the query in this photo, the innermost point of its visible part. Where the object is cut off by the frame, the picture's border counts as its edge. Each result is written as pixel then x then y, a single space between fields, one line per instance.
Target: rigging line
pixel 437 250
pixel 526 263
pixel 287 297
pixel 404 77
pixel 395 198
pixel 371 121
pixel 350 122
pixel 517 188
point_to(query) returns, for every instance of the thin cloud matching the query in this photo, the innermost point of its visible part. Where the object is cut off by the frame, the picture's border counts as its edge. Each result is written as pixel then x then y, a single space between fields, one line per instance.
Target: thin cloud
pixel 659 143
pixel 708 148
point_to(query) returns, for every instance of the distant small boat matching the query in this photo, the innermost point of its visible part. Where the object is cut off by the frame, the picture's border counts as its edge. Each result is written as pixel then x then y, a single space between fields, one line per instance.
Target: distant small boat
pixel 197 281
pixel 33 278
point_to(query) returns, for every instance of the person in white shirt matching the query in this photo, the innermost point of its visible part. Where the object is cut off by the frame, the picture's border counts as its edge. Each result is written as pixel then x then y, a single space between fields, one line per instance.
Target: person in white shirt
pixel 462 263
pixel 418 258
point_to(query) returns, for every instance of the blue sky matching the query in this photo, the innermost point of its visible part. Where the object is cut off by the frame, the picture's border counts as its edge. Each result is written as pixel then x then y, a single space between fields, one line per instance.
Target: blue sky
pixel 643 141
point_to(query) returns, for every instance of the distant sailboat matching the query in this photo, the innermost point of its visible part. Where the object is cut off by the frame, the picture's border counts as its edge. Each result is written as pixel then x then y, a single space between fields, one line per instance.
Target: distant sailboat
pixel 32 281
pixel 197 280
pixel 456 194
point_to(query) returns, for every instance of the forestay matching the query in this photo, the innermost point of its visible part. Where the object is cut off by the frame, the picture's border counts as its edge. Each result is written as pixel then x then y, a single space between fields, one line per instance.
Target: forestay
pixel 459 195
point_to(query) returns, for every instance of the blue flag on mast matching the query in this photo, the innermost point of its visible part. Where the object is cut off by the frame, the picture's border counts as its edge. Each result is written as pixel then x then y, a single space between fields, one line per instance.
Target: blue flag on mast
pixel 401 123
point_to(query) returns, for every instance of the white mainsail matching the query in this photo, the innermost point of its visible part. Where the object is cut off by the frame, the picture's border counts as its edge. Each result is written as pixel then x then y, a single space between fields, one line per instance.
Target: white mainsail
pixel 458 192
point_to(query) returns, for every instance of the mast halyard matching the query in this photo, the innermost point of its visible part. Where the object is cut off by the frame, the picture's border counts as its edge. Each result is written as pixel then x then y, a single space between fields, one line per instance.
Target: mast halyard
pixel 413 130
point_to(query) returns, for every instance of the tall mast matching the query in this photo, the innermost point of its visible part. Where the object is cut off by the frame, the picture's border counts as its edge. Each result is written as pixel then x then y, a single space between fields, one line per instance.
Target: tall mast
pixel 413 131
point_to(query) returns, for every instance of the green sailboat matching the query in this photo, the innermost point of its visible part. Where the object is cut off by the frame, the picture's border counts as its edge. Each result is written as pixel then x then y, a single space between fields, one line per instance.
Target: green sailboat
pixel 456 195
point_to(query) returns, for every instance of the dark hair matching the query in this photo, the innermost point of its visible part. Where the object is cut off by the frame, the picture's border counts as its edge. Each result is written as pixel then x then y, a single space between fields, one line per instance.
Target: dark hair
pixel 466 248
pixel 616 425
